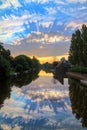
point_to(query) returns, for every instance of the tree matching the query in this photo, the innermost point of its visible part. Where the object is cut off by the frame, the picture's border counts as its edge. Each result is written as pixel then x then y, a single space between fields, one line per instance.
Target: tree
pixel 19 68
pixel 35 63
pixel 84 39
pixel 78 48
pixel 4 68
pixel 22 63
pixel 5 53
pixel 5 62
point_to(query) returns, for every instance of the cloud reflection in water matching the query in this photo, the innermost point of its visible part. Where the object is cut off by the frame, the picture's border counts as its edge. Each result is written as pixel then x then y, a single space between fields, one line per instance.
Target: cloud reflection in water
pixel 41 104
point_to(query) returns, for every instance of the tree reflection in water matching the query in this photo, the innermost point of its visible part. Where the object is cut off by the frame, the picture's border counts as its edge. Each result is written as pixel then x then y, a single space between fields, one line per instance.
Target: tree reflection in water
pixel 5 89
pixel 25 79
pixel 78 97
pixel 60 77
pixel 21 80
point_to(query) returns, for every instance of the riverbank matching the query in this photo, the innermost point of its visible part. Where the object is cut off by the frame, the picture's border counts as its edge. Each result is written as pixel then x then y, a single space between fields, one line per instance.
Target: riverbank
pixel 79 76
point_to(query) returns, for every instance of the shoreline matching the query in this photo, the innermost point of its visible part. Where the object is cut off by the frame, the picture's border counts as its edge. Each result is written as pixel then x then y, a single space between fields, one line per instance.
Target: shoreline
pixel 79 76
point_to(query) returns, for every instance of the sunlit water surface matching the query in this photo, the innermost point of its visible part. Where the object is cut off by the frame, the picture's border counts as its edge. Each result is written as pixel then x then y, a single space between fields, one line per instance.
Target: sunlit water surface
pixel 42 104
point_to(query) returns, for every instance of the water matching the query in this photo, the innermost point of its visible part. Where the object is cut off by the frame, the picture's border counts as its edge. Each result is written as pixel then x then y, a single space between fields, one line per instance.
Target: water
pixel 43 103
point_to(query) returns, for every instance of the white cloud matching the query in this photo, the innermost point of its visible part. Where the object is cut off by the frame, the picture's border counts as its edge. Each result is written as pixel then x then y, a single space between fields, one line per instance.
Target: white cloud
pixel 12 25
pixel 36 32
pixel 82 8
pixel 60 2
pixel 46 24
pixel 38 1
pixel 76 1
pixel 74 25
pixel 7 3
pixel 51 10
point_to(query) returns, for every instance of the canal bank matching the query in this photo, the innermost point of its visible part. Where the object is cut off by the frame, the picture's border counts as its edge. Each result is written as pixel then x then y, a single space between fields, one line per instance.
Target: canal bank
pixel 79 76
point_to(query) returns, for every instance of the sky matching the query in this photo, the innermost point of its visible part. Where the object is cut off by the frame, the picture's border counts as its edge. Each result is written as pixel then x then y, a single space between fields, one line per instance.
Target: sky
pixel 41 28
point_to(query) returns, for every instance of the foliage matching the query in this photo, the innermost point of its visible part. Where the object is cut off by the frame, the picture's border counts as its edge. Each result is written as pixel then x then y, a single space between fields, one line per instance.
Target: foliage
pixel 4 68
pixel 19 68
pixel 5 62
pixel 5 53
pixel 35 63
pixel 78 48
pixel 47 67
pixel 55 63
pixel 22 63
pixel 78 69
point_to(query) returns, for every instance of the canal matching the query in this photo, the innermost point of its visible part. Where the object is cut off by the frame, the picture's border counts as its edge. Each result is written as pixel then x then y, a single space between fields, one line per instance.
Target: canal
pixel 43 102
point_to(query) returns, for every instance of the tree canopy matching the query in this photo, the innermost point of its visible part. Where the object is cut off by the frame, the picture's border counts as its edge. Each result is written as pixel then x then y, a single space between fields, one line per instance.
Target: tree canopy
pixel 19 64
pixel 22 63
pixel 78 48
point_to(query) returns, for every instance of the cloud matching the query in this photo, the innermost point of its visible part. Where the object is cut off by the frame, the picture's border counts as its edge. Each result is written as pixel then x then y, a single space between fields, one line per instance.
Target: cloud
pixel 40 22
pixel 5 127
pixel 8 3
pixel 12 27
pixel 46 24
pixel 82 8
pixel 51 10
pixel 74 25
pixel 38 1
pixel 42 38
pixel 76 1
pixel 60 2
pixel 38 49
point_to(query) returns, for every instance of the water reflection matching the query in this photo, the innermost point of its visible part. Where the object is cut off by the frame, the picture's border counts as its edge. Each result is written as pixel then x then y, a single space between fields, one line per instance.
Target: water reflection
pixel 78 97
pixel 5 89
pixel 5 86
pixel 25 79
pixel 37 105
pixel 60 77
pixel 44 73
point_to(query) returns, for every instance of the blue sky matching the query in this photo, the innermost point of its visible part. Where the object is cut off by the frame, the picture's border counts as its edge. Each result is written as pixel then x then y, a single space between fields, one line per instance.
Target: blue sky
pixel 40 27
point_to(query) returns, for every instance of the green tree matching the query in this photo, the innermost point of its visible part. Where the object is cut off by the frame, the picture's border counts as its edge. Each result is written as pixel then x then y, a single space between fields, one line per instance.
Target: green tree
pixel 5 62
pixel 4 68
pixel 19 68
pixel 5 53
pixel 84 41
pixel 78 48
pixel 35 63
pixel 22 63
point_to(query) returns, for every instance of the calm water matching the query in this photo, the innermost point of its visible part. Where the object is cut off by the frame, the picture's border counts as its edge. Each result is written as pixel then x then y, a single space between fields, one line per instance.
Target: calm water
pixel 43 103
